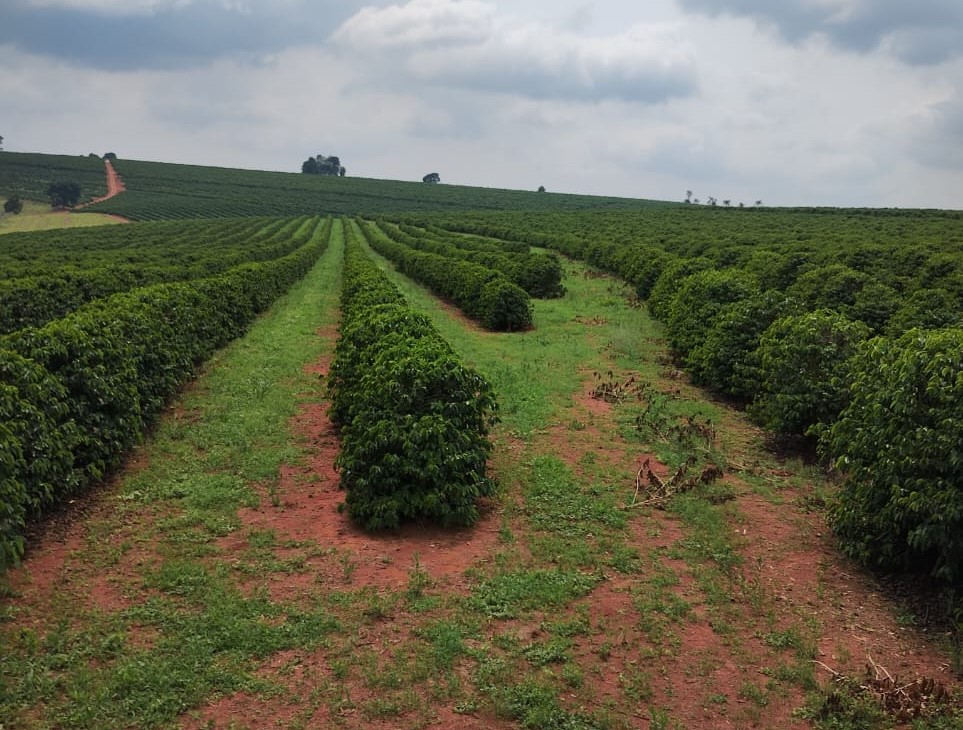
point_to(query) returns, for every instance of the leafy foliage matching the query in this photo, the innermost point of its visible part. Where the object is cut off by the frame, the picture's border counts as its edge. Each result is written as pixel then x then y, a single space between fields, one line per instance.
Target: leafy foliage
pixel 697 303
pixel 47 276
pixel 13 204
pixel 804 364
pixel 64 193
pixel 727 359
pixel 414 420
pixel 78 392
pixel 538 274
pixel 900 445
pixel 480 292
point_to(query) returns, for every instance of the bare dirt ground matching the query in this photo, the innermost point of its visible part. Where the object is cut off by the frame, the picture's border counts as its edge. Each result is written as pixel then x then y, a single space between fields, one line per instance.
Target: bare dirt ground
pixel 115 186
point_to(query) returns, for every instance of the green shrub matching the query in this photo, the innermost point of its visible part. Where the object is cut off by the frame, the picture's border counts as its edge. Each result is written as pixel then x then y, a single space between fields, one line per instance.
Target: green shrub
pixel 899 443
pixel 698 301
pixel 413 419
pixel 667 285
pixel 460 281
pixel 803 359
pixel 926 309
pixel 834 286
pixel 76 394
pixel 504 307
pixel 727 359
pixel 12 492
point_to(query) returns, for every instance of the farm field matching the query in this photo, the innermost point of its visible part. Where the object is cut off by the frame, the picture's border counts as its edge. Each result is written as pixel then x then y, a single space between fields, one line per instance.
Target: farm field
pixel 29 174
pixel 159 191
pixel 39 217
pixel 644 554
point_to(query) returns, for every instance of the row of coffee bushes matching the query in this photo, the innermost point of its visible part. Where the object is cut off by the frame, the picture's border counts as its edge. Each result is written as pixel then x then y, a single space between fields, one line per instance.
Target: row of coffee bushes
pixel 77 394
pixel 538 274
pixel 857 347
pixel 146 257
pixel 481 293
pixel 468 241
pixel 413 419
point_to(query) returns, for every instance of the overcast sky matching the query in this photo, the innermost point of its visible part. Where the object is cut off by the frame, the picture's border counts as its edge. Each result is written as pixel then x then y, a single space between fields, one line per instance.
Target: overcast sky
pixel 794 102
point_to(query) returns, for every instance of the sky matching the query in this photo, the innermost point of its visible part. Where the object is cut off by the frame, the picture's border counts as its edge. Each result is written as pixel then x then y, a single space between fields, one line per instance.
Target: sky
pixel 792 102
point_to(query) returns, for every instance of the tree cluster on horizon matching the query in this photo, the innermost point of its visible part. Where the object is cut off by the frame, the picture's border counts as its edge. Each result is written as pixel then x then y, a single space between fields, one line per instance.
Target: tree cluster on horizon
pixel 321 165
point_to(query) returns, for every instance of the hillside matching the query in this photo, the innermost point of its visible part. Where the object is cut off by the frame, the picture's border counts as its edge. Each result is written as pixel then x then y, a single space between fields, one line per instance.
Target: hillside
pixel 161 190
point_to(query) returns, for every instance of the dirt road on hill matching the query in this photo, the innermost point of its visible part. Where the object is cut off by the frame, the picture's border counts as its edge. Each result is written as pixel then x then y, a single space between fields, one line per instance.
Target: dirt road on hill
pixel 115 186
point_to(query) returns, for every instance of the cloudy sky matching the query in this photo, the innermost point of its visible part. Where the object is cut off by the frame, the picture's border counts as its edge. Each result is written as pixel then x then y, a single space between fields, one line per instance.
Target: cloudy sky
pixel 795 102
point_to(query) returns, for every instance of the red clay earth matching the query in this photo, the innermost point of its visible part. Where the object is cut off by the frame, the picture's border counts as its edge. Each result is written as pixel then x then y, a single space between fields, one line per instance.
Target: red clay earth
pixel 115 186
pixel 309 498
pixel 790 569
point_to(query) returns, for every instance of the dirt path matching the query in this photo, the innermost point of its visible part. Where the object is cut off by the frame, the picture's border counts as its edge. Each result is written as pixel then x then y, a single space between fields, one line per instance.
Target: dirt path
pixel 791 611
pixel 115 186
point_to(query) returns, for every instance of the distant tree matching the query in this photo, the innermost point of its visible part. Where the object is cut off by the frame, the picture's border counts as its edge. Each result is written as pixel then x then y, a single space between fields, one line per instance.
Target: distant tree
pixel 696 201
pixel 13 205
pixel 741 204
pixel 94 156
pixel 541 188
pixel 727 203
pixel 710 200
pixel 110 156
pixel 1 142
pixel 688 196
pixel 758 203
pixel 64 194
pixel 431 177
pixel 321 165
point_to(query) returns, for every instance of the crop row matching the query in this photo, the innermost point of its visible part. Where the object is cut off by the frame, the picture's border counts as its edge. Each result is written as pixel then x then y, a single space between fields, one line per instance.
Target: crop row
pixel 76 394
pixel 413 419
pixel 540 275
pixel 29 174
pixel 853 341
pixel 481 293
pixel 162 191
pixel 146 258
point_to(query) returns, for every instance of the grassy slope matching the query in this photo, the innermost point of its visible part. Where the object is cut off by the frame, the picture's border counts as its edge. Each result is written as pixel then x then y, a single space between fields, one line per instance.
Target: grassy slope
pixel 39 217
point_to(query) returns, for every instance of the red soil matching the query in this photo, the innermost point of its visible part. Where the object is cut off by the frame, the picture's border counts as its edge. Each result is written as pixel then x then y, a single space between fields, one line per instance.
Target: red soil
pixel 115 186
pixel 309 497
pixel 792 576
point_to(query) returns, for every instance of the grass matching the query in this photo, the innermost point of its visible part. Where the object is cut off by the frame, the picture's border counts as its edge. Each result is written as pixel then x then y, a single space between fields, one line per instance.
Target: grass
pixel 208 636
pixel 523 637
pixel 39 217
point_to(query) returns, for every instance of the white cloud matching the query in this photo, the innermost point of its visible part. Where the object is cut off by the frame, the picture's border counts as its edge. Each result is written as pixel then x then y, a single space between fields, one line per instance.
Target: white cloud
pixel 920 32
pixel 116 7
pixel 467 44
pixel 417 24
pixel 627 99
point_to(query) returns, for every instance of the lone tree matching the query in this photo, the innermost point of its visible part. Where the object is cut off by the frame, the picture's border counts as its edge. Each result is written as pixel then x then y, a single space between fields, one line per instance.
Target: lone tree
pixel 541 188
pixel 64 194
pixel 13 204
pixel 1 143
pixel 431 177
pixel 321 165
